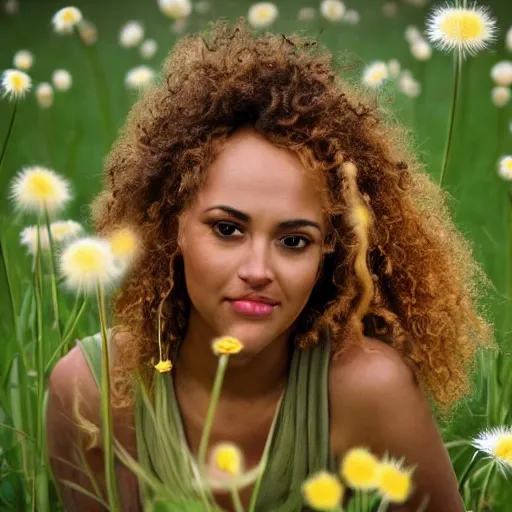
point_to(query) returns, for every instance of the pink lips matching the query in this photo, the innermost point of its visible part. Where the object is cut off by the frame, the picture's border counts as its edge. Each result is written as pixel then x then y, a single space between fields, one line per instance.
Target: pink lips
pixel 252 307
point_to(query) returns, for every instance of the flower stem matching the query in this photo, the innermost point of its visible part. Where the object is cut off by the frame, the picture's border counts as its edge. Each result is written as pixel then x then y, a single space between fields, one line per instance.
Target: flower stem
pixel 485 487
pixel 9 131
pixel 456 80
pixel 383 505
pixel 467 472
pixel 110 475
pixel 217 385
pixel 236 500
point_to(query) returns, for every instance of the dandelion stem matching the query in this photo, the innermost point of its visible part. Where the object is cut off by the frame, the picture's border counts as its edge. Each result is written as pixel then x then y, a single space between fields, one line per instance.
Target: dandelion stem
pixel 9 131
pixel 217 385
pixel 108 448
pixel 451 121
pixel 467 472
pixel 485 487
pixel 236 500
pixel 383 505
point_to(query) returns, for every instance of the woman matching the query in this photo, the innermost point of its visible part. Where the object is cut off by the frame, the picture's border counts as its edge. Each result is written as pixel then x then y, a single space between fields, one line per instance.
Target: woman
pixel 276 204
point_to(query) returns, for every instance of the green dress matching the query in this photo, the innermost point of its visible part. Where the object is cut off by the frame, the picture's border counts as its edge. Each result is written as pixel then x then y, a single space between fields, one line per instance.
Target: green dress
pixel 298 442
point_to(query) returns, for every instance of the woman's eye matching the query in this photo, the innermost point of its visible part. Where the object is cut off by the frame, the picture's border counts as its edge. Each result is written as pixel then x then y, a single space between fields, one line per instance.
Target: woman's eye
pixel 225 228
pixel 296 241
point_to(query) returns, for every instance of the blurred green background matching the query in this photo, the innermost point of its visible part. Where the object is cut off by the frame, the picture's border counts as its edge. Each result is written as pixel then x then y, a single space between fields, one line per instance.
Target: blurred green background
pixel 70 138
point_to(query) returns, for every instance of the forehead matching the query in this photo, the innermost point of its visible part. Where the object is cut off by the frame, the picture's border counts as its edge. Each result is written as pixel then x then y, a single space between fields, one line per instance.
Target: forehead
pixel 252 174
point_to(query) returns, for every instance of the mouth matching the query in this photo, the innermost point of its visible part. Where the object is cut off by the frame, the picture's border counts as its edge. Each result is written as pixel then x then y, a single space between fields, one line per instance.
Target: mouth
pixel 253 308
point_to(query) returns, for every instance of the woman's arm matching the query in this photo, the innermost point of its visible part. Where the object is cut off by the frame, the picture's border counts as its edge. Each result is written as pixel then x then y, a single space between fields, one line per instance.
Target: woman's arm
pixel 376 402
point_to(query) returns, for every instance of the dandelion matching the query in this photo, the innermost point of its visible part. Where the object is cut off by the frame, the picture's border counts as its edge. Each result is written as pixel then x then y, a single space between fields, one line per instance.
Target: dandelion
pixel 307 14
pixel 175 9
pixel 360 469
pixel 226 345
pixel 23 60
pixel 351 17
pixel 15 83
pixel 505 167
pixel 131 34
pixel 394 68
pixel 500 96
pixel 62 79
pixel 38 189
pixel 408 85
pixel 333 10
pixel 44 95
pixel 64 229
pixel 148 48
pixel 88 263
pixel 228 458
pixel 501 73
pixel 124 246
pixel 375 74
pixel 202 7
pixel 65 19
pixel 139 77
pixel 389 9
pixel 412 34
pixel 28 238
pixel 508 39
pixel 394 482
pixel 262 14
pixel 88 32
pixel 322 491
pixel 179 26
pixel 164 366
pixel 421 50
pixel 497 442
pixel 465 29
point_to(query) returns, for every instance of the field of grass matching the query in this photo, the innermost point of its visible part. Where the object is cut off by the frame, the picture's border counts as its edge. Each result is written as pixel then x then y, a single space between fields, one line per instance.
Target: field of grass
pixel 74 135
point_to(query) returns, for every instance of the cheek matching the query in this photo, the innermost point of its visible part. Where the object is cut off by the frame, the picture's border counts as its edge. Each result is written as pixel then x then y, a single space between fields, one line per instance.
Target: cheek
pixel 300 279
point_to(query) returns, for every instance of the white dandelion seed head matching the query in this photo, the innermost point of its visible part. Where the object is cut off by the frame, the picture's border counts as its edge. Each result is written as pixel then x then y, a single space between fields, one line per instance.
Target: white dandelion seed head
pixel 389 9
pixel 262 14
pixel 175 9
pixel 62 80
pixel 467 30
pixel 179 26
pixel 333 10
pixel 23 60
pixel 131 34
pixel 139 77
pixel 394 68
pixel 375 74
pixel 44 95
pixel 351 17
pixel 12 7
pixel 88 262
pixel 15 83
pixel 497 441
pixel 307 14
pixel 421 50
pixel 148 48
pixel 88 32
pixel 409 86
pixel 65 19
pixel 36 189
pixel 508 40
pixel 202 7
pixel 412 34
pixel 28 238
pixel 500 96
pixel 505 167
pixel 501 73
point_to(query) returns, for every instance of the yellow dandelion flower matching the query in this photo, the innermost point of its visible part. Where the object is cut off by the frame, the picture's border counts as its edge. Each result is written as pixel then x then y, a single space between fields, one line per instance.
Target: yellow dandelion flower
pixel 61 79
pixel 44 95
pixel 505 167
pixel 65 19
pixel 228 458
pixel 226 345
pixel 23 60
pixel 467 30
pixel 139 77
pixel 164 366
pixel 262 14
pixel 497 442
pixel 360 469
pixel 87 263
pixel 322 491
pixel 176 9
pixel 15 83
pixel 375 74
pixel 37 189
pixel 394 482
pixel 333 10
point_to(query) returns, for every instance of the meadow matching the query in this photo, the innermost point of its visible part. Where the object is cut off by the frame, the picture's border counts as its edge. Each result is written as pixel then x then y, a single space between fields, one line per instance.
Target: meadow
pixel 72 136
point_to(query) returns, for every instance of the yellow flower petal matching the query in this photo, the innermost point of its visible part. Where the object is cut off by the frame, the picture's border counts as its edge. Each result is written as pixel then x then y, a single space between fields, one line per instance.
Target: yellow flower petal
pixel 322 491
pixel 226 345
pixel 360 469
pixel 164 366
pixel 228 458
pixel 394 482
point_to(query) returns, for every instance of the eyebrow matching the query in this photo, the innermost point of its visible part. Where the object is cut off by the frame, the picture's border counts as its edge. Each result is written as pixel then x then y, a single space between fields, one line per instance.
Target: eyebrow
pixel 284 225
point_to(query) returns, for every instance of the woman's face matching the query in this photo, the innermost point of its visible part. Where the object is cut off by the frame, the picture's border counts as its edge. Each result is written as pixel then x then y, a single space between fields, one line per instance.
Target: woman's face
pixel 255 228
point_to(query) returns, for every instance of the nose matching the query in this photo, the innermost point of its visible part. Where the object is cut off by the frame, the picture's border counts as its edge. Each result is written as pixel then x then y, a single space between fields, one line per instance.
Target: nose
pixel 256 266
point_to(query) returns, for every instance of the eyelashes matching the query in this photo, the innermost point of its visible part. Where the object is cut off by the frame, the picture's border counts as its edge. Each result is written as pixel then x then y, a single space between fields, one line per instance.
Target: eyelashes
pixel 220 228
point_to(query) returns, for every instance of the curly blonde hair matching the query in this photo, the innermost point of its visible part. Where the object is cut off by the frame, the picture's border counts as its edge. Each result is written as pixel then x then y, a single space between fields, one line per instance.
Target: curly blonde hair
pixel 395 267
